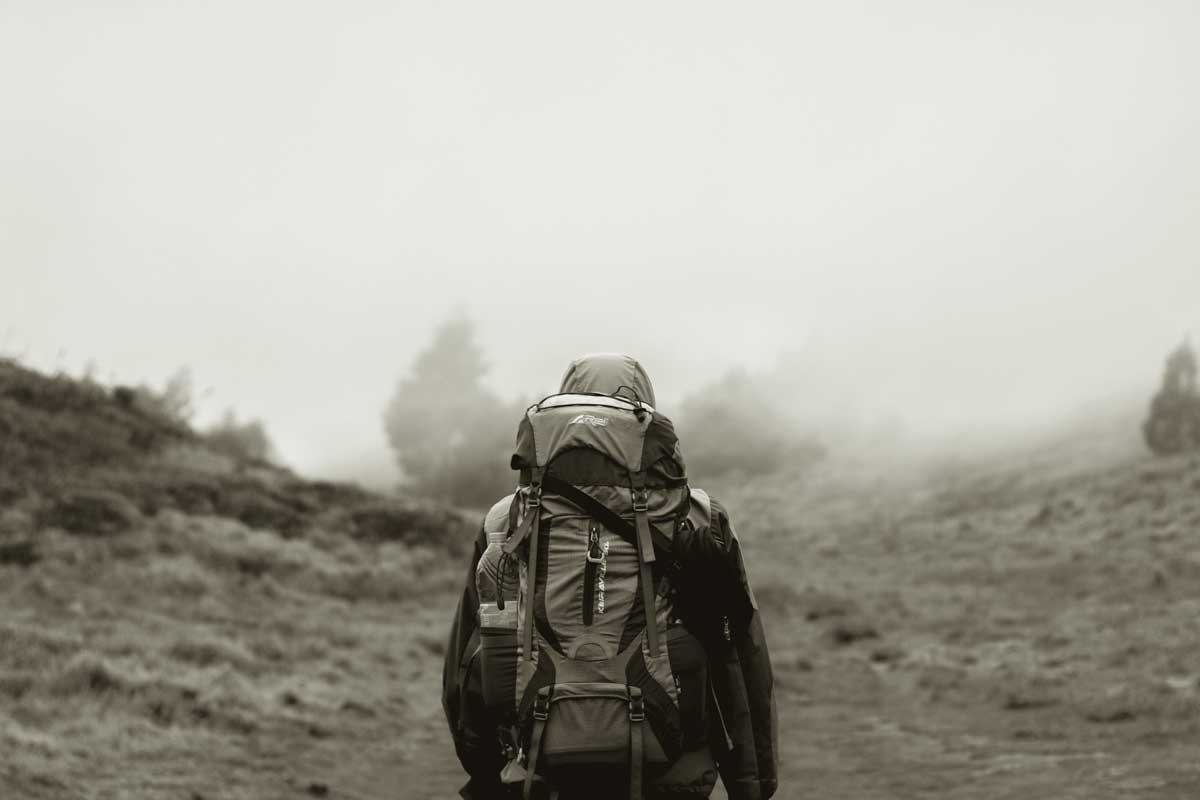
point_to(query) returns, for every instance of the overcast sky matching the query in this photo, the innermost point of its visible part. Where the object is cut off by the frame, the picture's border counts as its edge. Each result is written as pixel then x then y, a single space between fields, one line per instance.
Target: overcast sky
pixel 978 212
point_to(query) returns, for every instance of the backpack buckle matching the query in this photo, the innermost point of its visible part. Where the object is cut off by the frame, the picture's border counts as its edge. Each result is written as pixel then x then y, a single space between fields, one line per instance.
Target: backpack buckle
pixel 534 498
pixel 637 709
pixel 641 499
pixel 541 707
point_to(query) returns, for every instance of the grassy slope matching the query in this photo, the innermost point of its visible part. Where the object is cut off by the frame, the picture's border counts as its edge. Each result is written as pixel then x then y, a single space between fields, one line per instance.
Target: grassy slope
pixel 1026 626
pixel 1023 626
pixel 177 625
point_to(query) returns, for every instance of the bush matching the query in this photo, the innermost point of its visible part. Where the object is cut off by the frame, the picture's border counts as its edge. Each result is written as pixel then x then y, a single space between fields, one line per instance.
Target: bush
pixel 245 442
pixel 91 512
pixel 172 403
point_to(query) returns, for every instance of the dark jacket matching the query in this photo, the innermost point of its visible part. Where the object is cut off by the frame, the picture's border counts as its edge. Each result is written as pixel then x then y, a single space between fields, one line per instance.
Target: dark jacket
pixel 718 606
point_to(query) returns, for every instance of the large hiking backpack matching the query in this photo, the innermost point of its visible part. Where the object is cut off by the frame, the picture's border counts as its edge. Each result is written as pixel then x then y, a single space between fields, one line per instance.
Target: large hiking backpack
pixel 607 682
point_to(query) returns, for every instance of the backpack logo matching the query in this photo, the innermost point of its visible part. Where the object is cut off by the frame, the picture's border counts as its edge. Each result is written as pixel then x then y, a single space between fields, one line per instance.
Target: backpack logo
pixel 588 419
pixel 600 587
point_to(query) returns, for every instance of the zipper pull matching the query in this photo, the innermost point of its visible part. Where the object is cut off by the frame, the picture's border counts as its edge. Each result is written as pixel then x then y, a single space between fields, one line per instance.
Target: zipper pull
pixel 594 554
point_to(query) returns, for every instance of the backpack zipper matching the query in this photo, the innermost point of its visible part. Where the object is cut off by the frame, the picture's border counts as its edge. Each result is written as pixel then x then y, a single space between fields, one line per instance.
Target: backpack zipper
pixel 593 558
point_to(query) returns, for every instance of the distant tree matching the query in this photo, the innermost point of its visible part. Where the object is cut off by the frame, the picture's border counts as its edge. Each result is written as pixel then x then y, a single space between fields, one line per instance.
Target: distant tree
pixel 243 441
pixel 452 436
pixel 1174 422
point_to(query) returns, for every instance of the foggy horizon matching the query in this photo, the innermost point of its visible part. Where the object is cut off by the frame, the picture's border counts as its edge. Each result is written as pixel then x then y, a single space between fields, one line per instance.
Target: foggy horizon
pixel 962 215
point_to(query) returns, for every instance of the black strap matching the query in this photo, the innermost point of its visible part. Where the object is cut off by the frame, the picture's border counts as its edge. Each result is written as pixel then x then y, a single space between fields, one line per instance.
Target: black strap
pixel 598 511
pixel 637 715
pixel 533 514
pixel 541 712
pixel 637 482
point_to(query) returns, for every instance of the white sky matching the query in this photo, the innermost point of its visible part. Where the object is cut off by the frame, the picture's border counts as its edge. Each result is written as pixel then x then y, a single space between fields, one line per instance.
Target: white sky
pixel 984 212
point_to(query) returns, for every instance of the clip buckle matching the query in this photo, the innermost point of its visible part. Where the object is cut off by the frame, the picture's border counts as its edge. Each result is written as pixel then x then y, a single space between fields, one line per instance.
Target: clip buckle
pixel 641 498
pixel 637 711
pixel 541 707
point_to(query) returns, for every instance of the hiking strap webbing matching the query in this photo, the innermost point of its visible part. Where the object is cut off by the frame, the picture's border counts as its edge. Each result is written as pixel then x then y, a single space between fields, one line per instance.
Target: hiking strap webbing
pixel 541 712
pixel 645 557
pixel 529 529
pixel 637 715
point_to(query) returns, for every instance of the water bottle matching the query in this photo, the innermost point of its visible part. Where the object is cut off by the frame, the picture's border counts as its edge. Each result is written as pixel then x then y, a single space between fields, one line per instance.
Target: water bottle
pixel 498 580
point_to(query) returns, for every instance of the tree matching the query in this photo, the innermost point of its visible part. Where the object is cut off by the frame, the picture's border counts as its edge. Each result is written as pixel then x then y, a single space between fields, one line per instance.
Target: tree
pixel 452 436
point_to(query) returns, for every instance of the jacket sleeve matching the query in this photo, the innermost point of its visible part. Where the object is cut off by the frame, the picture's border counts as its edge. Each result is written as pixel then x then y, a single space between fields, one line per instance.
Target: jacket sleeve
pixel 473 730
pixel 717 597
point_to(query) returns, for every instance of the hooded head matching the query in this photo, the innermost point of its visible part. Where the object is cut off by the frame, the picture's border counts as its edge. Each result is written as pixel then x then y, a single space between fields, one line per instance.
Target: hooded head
pixel 605 373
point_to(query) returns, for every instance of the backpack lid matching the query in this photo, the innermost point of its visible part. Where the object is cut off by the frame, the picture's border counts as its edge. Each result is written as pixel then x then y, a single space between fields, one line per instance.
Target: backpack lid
pixel 613 426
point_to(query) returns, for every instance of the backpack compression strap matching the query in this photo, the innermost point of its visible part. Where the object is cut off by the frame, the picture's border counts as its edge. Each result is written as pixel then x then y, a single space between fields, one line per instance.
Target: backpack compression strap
pixel 645 556
pixel 637 715
pixel 541 713
pixel 529 529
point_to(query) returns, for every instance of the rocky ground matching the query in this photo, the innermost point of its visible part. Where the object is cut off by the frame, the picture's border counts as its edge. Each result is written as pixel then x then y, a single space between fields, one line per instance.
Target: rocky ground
pixel 178 626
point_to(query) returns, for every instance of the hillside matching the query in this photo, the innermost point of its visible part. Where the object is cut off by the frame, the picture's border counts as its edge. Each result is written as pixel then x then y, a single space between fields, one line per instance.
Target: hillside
pixel 1022 626
pixel 177 624
pixel 1005 625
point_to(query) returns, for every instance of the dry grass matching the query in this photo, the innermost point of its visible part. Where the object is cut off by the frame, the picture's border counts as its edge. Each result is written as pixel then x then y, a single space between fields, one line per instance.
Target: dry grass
pixel 177 625
pixel 1051 597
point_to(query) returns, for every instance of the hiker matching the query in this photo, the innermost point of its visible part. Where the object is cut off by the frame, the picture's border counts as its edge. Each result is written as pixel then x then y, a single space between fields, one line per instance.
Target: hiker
pixel 556 682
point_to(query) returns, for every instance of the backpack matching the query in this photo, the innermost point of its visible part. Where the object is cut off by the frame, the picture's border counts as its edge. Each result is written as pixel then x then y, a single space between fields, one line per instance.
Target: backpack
pixel 608 685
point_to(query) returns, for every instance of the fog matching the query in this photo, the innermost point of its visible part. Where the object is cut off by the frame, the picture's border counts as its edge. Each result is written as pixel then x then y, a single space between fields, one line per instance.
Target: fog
pixel 958 216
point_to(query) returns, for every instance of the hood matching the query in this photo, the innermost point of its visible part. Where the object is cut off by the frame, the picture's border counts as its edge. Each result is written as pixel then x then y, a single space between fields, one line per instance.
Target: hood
pixel 605 373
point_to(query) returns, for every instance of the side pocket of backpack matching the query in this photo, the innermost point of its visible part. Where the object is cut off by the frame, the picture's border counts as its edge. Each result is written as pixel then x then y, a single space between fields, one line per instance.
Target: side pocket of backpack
pixel 471 708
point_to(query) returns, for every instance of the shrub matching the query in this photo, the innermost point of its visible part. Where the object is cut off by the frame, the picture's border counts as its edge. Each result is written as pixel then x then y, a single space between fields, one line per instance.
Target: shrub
pixel 245 442
pixel 20 553
pixel 91 512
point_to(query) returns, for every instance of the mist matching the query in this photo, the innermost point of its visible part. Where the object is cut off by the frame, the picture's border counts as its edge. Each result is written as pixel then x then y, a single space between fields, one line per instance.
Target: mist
pixel 950 217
